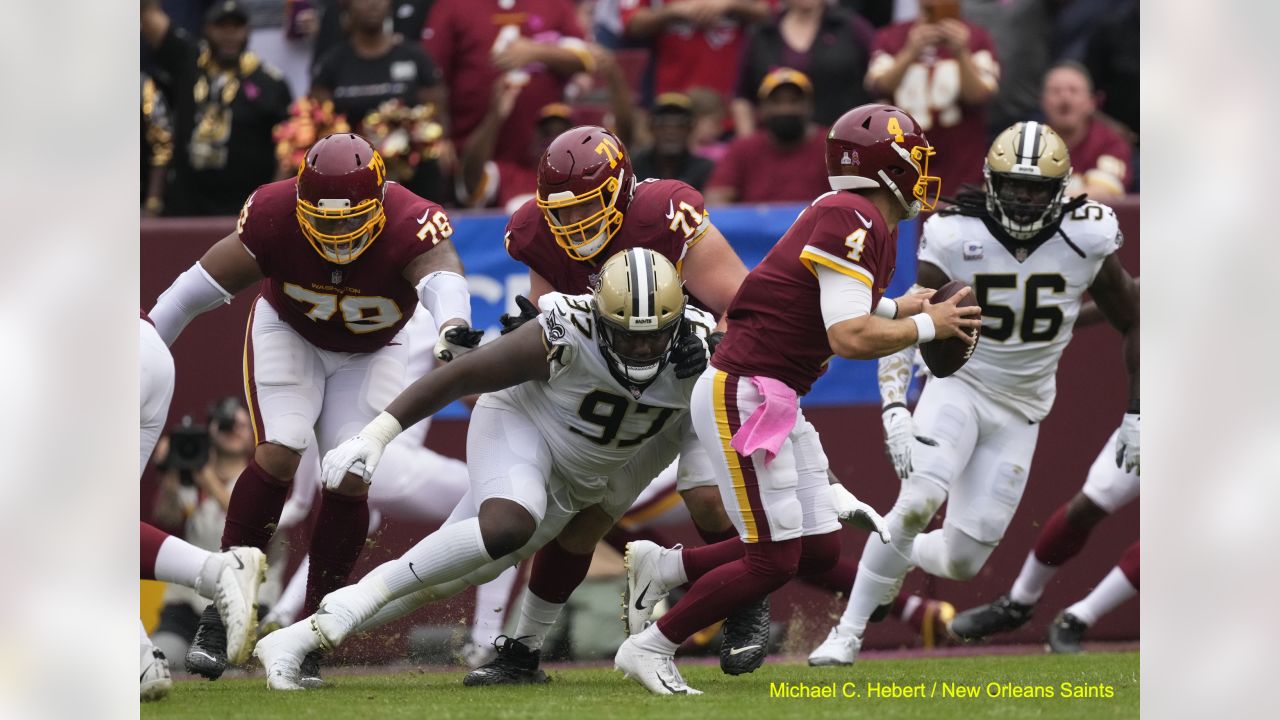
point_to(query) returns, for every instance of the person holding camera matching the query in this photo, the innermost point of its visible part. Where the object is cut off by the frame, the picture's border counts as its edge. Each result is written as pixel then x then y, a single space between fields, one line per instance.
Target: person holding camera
pixel 198 467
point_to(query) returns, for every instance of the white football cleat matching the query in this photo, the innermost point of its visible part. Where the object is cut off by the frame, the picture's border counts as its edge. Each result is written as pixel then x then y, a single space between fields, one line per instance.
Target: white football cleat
pixel 236 596
pixel 281 654
pixel 645 588
pixel 154 681
pixel 837 649
pixel 655 671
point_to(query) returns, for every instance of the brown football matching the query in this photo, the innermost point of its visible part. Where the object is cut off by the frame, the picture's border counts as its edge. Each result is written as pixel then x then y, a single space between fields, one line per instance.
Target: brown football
pixel 944 357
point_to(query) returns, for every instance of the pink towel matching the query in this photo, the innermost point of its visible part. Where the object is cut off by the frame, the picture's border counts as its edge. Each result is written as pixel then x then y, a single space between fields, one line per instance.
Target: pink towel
pixel 771 421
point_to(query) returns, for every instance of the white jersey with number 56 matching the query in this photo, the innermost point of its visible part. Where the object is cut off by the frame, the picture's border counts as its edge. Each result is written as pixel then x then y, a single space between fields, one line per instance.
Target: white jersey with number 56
pixel 592 423
pixel 1030 297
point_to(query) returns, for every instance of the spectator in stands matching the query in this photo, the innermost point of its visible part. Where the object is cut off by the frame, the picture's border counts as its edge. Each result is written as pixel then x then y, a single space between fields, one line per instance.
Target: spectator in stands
pixel 696 43
pixel 709 139
pixel 1113 59
pixel 195 502
pixel 669 158
pixel 943 71
pixel 224 101
pixel 373 65
pixel 1100 155
pixel 490 181
pixel 537 44
pixel 408 17
pixel 829 44
pixel 784 162
pixel 156 145
pixel 1022 31
pixel 283 33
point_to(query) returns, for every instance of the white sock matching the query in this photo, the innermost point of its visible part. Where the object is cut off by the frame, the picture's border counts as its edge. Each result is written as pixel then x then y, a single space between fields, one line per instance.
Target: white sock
pixel 878 571
pixel 444 555
pixel 537 616
pixel 1032 581
pixel 286 609
pixel 671 568
pixel 1114 590
pixel 652 640
pixel 491 607
pixel 182 563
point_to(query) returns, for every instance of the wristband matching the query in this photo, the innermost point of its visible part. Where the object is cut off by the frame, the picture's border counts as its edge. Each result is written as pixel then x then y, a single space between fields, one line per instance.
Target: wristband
pixel 925 330
pixel 887 308
pixel 382 429
pixel 891 406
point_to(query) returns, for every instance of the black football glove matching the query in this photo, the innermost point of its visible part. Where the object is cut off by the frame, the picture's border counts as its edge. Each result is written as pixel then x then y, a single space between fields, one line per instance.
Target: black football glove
pixel 713 341
pixel 528 311
pixel 689 355
pixel 457 340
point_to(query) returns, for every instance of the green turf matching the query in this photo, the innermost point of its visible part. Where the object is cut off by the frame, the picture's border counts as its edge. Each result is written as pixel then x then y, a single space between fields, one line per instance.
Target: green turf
pixel 605 694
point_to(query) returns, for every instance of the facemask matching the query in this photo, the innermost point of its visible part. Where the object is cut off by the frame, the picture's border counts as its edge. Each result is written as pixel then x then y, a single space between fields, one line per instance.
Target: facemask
pixel 786 128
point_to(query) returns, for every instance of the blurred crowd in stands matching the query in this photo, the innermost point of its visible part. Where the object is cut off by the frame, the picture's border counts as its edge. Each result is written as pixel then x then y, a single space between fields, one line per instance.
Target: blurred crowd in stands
pixel 730 96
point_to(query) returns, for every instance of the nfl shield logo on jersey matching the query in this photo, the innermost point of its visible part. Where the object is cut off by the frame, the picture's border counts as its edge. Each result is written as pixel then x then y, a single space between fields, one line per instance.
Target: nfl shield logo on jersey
pixel 336 277
pixel 972 250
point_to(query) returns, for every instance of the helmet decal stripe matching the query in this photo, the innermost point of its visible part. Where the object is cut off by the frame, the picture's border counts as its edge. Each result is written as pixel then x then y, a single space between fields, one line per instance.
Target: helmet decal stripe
pixel 1029 148
pixel 634 274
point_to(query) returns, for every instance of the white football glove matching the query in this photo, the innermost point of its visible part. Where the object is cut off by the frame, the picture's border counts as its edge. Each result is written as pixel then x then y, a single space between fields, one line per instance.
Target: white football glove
pixel 360 454
pixel 1128 453
pixel 853 511
pixel 899 436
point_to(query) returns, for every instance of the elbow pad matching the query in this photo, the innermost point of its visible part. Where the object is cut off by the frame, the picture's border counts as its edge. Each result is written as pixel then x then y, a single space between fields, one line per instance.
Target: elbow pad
pixel 444 294
pixel 193 292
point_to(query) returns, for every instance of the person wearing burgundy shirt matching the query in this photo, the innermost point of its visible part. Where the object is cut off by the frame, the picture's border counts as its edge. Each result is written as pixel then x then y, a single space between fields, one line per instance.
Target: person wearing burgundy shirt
pixel 943 71
pixel 536 43
pixel 1100 155
pixel 789 146
pixel 696 43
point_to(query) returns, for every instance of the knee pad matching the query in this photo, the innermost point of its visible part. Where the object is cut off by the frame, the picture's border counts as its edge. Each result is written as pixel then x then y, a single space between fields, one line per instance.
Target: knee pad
pixel 965 556
pixel 918 503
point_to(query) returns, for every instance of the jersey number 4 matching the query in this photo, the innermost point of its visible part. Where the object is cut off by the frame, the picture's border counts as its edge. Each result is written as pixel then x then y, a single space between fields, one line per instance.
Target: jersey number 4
pixel 607 410
pixel 1031 329
pixel 361 314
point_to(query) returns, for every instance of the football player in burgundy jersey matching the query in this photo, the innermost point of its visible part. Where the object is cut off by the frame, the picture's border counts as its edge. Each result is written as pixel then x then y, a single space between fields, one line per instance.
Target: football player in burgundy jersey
pixel 343 257
pixel 589 207
pixel 818 293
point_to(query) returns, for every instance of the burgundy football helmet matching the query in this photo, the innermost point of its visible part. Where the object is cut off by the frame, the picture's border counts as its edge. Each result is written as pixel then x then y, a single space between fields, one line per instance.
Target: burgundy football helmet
pixel 341 184
pixel 584 186
pixel 876 145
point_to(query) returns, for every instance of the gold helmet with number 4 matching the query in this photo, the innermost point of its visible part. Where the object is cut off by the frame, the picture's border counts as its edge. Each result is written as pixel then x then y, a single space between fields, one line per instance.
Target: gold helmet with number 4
pixel 638 304
pixel 1025 175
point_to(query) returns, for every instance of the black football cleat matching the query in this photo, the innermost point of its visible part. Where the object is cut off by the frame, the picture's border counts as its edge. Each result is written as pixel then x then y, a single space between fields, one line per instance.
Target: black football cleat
pixel 1065 634
pixel 746 639
pixel 516 664
pixel 309 671
pixel 1000 616
pixel 207 655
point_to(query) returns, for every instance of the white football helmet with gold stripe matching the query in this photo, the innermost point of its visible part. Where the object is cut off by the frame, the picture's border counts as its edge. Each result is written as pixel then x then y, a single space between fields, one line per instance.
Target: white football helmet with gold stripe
pixel 638 304
pixel 1025 175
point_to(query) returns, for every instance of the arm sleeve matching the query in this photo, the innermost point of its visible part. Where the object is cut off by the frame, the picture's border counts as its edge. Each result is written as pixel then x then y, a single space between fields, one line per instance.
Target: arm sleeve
pixel 841 296
pixel 192 293
pixel 894 375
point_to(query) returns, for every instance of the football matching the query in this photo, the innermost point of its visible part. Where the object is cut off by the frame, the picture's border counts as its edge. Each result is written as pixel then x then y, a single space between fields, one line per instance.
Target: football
pixel 944 357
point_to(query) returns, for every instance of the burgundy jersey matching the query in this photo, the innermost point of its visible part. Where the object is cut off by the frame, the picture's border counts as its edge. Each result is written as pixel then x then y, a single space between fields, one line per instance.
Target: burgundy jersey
pixel 357 307
pixel 930 92
pixel 775 321
pixel 665 216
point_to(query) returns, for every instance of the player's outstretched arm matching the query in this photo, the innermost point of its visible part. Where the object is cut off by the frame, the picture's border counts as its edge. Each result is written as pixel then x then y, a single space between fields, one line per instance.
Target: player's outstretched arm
pixel 1116 295
pixel 442 290
pixel 510 360
pixel 868 337
pixel 224 270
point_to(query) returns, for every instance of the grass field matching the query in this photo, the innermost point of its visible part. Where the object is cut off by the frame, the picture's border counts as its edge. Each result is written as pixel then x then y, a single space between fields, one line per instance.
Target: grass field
pixel 603 693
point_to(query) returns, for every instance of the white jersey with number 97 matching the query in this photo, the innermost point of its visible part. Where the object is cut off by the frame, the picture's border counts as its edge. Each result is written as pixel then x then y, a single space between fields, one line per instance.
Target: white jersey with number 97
pixel 592 423
pixel 1030 297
